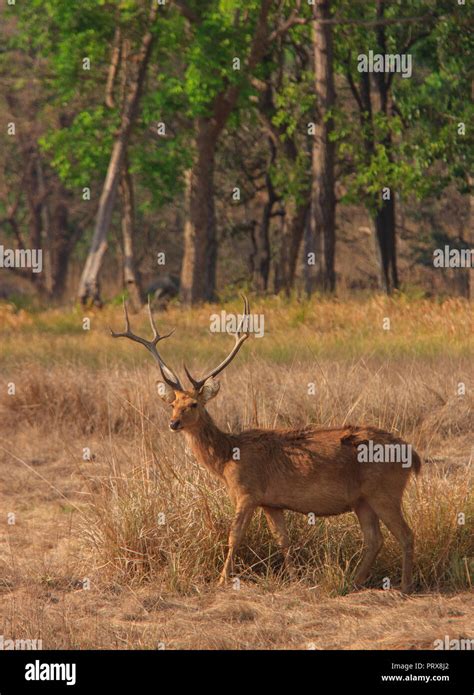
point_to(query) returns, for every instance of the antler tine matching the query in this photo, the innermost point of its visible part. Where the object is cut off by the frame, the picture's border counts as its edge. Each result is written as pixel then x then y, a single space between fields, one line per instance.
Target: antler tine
pixel 244 317
pixel 168 375
pixel 240 338
pixel 156 336
pixel 197 384
pixel 125 334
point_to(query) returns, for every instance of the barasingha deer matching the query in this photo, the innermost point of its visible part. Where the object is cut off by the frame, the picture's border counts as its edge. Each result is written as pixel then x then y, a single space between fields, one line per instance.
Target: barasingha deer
pixel 308 470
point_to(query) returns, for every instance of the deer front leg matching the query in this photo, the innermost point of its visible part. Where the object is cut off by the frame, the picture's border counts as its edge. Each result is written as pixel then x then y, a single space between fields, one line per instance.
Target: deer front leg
pixel 277 524
pixel 237 531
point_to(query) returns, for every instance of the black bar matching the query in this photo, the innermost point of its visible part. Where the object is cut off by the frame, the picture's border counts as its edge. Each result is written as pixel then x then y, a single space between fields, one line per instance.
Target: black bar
pixel 148 671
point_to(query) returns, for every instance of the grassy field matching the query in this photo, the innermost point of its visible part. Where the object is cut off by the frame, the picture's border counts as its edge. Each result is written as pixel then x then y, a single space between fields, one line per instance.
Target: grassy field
pixel 124 550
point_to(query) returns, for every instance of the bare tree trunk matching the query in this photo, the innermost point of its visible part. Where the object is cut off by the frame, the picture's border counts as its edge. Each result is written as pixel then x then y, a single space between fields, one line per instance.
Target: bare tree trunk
pixel 65 237
pixel 297 227
pixel 113 68
pixel 35 197
pixel 385 235
pixel 311 253
pixel 89 282
pixel 200 246
pixel 470 237
pixel 47 237
pixel 385 222
pixel 467 239
pixel 130 273
pixel 383 218
pixel 323 196
pixel 131 276
pixel 260 257
pixel 198 272
pixel 293 231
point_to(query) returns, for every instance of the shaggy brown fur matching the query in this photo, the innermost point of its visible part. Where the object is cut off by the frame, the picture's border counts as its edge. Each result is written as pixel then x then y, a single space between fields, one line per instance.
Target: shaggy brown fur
pixel 306 470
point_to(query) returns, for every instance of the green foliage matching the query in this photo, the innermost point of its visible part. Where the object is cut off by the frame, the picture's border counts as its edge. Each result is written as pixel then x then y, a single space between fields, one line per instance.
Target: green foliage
pixel 158 168
pixel 82 151
pixel 219 35
pixel 182 83
pixel 295 103
pixel 399 149
pixel 414 148
pixel 67 33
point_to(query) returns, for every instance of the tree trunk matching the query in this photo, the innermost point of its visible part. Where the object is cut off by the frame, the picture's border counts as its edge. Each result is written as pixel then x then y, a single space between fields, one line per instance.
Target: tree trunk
pixel 311 253
pixel 47 232
pixel 297 227
pixel 467 239
pixel 293 231
pixel 296 207
pixel 198 272
pixel 296 216
pixel 383 218
pixel 385 235
pixel 200 247
pixel 113 68
pixel 89 282
pixel 35 201
pixel 131 276
pixel 385 221
pixel 323 196
pixel 62 246
pixel 260 257
pixel 64 237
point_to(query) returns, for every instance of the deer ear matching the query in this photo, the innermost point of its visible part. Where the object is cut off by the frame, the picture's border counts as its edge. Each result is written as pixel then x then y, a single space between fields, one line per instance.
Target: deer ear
pixel 165 392
pixel 209 389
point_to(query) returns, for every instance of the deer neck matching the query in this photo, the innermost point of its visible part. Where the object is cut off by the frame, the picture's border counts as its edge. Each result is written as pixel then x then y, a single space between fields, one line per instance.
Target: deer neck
pixel 211 447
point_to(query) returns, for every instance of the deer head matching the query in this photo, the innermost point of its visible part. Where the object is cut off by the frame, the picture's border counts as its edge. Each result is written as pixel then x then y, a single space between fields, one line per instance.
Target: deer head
pixel 188 404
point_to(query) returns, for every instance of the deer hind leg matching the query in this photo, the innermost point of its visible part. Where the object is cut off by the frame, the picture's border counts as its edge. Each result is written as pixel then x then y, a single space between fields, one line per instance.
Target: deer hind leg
pixel 373 539
pixel 277 524
pixel 393 519
pixel 237 531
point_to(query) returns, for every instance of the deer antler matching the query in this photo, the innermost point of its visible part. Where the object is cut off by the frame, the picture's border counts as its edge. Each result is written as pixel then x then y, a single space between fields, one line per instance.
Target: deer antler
pixel 168 375
pixel 240 337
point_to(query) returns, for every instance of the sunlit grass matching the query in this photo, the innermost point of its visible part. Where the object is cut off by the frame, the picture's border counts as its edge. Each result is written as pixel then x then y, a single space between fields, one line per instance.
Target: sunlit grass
pixel 294 331
pixel 82 384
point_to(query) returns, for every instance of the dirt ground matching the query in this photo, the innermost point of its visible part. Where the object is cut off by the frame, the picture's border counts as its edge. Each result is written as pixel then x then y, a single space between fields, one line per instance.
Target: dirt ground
pixel 44 595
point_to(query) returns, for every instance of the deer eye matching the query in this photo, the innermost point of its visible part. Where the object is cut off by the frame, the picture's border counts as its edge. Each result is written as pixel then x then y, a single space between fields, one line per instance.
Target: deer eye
pixel 193 405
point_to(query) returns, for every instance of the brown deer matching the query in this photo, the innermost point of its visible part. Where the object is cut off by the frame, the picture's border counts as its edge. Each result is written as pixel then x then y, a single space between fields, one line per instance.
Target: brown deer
pixel 306 470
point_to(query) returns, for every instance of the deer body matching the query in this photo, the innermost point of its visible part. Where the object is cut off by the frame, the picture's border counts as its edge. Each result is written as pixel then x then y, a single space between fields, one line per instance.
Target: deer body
pixel 306 470
pixel 310 470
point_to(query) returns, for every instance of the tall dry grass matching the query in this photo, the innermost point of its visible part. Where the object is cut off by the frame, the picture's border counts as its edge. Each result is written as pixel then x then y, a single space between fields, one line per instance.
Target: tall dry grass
pixel 151 514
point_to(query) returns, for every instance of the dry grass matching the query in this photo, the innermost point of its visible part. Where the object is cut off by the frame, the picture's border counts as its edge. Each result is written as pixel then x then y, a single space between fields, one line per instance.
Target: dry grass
pixel 293 331
pixel 146 527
